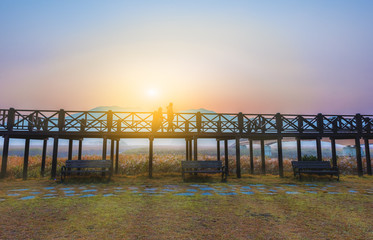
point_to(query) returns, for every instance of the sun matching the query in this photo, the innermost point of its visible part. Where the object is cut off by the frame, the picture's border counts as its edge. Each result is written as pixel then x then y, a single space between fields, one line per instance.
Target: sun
pixel 152 92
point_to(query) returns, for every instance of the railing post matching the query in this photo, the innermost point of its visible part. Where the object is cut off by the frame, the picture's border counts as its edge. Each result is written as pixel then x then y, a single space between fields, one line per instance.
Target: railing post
pixel 335 125
pixel 30 123
pixel 186 126
pixel 119 126
pixel 198 121
pixel 300 124
pixel 240 122
pixel 109 120
pixel 320 123
pixel 11 118
pixel 279 123
pixel 61 120
pixel 82 125
pixel 219 123
pixel 359 123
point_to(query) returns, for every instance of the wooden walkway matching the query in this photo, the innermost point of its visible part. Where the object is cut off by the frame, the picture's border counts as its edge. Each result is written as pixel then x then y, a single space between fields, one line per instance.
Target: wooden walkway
pixel 108 125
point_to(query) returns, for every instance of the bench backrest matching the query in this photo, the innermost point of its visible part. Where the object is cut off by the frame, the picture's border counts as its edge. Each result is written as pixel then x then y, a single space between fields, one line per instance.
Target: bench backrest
pixel 311 164
pixel 201 164
pixel 88 164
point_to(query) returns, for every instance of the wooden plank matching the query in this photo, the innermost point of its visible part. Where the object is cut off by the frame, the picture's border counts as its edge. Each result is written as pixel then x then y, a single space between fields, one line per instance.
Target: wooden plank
pixel 54 158
pixel 117 157
pixel 4 161
pixel 195 146
pixel 80 149
pixel 226 155
pixel 263 157
pixel 43 157
pixel 367 156
pixel 358 157
pixel 318 149
pixel 251 156
pixel 26 158
pixel 70 152
pixel 238 158
pixel 279 156
pixel 104 147
pixel 334 152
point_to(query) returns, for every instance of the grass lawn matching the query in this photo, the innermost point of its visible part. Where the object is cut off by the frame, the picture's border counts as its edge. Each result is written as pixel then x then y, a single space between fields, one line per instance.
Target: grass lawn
pixel 312 212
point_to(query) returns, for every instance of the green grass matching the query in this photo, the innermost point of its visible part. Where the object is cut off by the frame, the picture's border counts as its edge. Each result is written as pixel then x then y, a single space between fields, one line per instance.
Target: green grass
pixel 129 216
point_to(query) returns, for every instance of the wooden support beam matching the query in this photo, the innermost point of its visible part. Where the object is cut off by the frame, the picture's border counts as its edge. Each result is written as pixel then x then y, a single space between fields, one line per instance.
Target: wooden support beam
pixel 358 157
pixel 195 150
pixel 299 149
pixel 70 152
pixel 251 156
pixel 218 150
pixel 334 152
pixel 112 153
pixel 54 158
pixel 4 160
pixel 186 149
pixel 238 158
pixel 117 157
pixel 151 157
pixel 43 157
pixel 190 150
pixel 104 148
pixel 367 156
pixel 318 149
pixel 80 149
pixel 280 159
pixel 226 155
pixel 25 158
pixel 263 156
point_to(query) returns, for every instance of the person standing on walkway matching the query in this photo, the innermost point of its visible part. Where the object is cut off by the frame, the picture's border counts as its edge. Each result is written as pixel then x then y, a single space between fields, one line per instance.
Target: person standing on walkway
pixel 170 118
pixel 157 120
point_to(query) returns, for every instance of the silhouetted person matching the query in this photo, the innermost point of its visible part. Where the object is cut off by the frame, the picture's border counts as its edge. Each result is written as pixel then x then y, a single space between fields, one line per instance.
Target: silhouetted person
pixel 170 118
pixel 157 120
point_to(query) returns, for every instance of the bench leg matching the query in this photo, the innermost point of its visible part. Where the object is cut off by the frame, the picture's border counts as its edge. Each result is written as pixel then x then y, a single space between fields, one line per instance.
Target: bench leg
pixel 63 173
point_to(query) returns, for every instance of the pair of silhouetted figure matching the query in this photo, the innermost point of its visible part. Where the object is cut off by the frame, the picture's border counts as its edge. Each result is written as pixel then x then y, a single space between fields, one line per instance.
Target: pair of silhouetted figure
pixel 158 119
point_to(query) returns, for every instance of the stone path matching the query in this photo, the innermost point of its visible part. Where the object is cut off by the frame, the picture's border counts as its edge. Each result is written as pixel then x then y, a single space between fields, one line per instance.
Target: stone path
pixel 86 191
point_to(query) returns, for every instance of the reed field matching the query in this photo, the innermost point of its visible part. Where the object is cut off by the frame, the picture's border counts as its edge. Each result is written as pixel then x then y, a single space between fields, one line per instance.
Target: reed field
pixel 137 163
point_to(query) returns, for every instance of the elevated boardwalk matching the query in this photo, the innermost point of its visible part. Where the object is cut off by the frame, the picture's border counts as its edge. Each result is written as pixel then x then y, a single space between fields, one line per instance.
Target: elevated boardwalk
pixel 77 125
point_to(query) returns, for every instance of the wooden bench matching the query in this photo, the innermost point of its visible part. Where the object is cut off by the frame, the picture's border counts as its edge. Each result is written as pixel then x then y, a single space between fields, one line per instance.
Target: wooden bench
pixel 314 167
pixel 203 167
pixel 86 166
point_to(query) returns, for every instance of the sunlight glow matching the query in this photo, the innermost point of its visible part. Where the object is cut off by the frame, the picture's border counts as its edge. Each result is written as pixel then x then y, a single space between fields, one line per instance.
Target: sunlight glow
pixel 152 92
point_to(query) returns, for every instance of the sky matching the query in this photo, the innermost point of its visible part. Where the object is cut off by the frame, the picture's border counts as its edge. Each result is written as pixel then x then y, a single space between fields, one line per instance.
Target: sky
pixel 226 56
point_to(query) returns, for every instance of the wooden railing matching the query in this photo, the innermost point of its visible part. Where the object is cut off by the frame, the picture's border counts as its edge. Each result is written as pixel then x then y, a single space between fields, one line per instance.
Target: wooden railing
pixel 141 122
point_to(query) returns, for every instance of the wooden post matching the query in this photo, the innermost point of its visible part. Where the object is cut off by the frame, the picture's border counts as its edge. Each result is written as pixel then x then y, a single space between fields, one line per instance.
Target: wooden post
pixel 367 156
pixel 251 156
pixel 334 152
pixel 54 158
pixel 299 149
pixel 238 158
pixel 195 150
pixel 263 156
pixel 151 157
pixel 117 157
pixel 4 160
pixel 43 157
pixel 199 121
pixel 109 120
pixel 218 150
pixel 25 158
pixel 190 150
pixel 226 155
pixel 80 149
pixel 280 159
pixel 358 157
pixel 104 147
pixel 186 149
pixel 112 152
pixel 61 120
pixel 318 149
pixel 70 153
